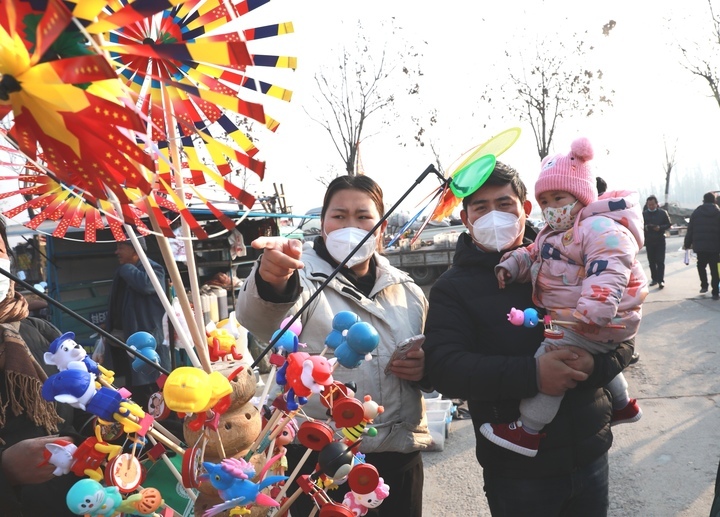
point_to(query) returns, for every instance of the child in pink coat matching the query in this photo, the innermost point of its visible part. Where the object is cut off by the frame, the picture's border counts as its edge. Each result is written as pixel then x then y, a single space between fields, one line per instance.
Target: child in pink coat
pixel 584 270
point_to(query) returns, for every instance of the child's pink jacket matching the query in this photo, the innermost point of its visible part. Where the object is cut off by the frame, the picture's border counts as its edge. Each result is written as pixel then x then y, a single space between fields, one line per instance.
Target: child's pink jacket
pixel 589 273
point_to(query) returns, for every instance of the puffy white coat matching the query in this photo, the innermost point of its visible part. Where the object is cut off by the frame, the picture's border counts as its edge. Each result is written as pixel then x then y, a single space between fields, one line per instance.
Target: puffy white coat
pixel 396 308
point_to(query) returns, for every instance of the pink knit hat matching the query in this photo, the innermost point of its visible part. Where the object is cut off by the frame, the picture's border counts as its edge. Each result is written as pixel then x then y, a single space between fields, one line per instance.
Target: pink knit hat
pixel 570 173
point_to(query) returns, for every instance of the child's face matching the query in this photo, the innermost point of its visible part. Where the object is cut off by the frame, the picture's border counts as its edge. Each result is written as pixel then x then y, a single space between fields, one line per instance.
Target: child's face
pixel 559 199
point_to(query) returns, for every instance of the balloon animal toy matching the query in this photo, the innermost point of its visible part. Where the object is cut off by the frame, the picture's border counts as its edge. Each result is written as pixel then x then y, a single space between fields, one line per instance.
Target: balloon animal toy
pixel 304 374
pixel 357 345
pixel 88 497
pixel 341 323
pixel 231 477
pixel 144 344
pixel 65 351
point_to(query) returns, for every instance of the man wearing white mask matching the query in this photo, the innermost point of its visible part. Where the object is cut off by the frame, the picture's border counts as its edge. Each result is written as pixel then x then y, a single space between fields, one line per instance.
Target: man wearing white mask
pixel 473 352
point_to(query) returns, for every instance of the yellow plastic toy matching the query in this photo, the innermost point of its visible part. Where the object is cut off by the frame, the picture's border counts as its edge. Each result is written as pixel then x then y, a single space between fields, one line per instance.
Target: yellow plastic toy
pixel 191 390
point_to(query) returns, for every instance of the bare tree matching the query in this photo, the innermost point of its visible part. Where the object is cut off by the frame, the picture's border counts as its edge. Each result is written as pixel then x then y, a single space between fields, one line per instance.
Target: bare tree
pixel 701 54
pixel 552 82
pixel 668 166
pixel 363 83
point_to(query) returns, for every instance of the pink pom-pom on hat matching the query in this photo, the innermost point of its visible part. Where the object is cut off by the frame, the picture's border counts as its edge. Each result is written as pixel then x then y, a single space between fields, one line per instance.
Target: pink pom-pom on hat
pixel 570 173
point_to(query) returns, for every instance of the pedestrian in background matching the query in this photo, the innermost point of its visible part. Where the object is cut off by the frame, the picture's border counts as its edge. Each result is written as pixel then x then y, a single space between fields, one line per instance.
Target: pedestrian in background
pixel 134 307
pixel 601 185
pixel 703 237
pixel 657 222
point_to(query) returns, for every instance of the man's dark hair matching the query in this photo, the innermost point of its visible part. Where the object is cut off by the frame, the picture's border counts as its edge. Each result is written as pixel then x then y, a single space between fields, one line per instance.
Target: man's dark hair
pixel 600 185
pixel 709 197
pixel 651 198
pixel 500 176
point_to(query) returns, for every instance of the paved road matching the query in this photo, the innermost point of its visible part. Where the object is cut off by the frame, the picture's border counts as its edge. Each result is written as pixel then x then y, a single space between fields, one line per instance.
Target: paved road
pixel 665 464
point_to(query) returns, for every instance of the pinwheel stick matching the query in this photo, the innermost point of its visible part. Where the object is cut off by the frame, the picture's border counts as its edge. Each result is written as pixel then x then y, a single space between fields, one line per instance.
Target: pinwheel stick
pixel 161 292
pixel 173 138
pixel 575 323
pixel 198 337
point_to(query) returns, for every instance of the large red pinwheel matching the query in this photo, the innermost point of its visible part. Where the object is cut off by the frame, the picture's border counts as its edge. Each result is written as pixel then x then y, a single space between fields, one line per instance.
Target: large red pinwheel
pixel 186 69
pixel 66 103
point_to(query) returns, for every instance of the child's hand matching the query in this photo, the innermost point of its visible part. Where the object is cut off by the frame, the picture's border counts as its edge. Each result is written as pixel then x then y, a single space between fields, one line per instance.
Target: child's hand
pixel 502 275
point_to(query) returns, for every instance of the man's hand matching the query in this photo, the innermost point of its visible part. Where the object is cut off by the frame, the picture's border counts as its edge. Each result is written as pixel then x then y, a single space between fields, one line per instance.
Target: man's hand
pixel 584 362
pixel 281 257
pixel 554 376
pixel 19 461
pixel 412 368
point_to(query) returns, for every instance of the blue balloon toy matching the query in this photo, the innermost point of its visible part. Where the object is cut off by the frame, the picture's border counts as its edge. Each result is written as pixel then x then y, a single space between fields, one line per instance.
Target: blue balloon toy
pixel 351 339
pixel 144 343
pixel 360 341
pixel 288 342
pixel 341 323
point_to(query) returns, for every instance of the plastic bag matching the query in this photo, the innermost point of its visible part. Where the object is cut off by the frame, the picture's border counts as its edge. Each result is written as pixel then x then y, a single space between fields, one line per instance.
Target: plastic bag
pixel 237 244
pixel 99 350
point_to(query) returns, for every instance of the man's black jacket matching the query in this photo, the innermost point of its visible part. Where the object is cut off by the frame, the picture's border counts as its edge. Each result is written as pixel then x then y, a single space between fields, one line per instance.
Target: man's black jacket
pixel 474 353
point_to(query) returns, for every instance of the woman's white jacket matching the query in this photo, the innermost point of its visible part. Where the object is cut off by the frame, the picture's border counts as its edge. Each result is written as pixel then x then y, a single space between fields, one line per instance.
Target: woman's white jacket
pixel 396 308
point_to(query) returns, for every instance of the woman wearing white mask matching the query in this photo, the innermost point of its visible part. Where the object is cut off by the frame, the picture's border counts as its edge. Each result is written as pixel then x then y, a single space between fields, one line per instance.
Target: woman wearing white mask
pixel 288 273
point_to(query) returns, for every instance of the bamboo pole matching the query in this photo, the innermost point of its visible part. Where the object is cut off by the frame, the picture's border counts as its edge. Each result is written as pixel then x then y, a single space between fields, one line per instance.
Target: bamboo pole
pixel 283 491
pixel 198 339
pixel 172 137
pixel 159 290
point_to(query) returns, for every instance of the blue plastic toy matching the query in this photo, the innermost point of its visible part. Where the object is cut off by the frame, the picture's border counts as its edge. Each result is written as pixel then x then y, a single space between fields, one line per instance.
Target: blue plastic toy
pixel 144 343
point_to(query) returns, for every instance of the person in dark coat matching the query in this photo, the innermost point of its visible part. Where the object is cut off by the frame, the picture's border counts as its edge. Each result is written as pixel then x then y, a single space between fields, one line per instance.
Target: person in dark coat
pixel 657 222
pixel 474 353
pixel 135 306
pixel 703 237
pixel 27 422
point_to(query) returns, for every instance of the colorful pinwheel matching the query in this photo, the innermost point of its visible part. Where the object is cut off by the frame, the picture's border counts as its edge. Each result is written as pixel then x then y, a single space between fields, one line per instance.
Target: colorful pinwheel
pixel 71 109
pixel 185 69
pixel 463 179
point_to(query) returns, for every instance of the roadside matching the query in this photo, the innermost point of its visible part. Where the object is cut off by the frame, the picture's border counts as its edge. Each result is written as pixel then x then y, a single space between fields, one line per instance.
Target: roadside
pixel 665 464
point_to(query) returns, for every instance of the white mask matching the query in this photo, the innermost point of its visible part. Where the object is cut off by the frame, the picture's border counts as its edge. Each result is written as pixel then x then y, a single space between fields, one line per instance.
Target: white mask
pixel 496 230
pixel 340 243
pixel 560 218
pixel 4 281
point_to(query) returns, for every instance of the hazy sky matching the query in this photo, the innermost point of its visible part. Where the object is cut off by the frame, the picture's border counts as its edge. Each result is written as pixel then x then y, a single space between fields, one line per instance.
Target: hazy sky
pixel 655 98
pixel 463 43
